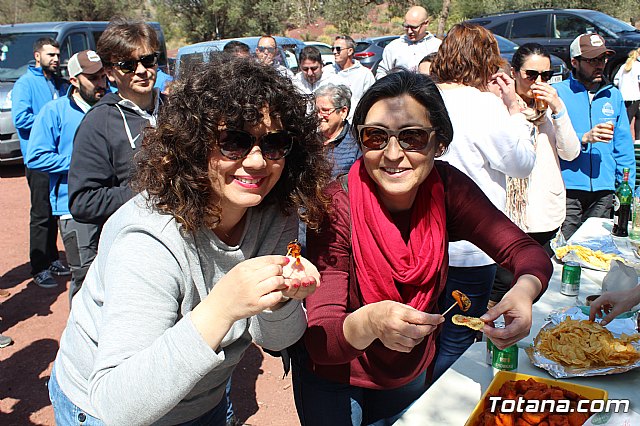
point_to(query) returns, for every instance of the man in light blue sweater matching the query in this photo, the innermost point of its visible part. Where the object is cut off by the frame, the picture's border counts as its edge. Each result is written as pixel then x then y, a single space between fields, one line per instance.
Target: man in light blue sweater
pixel 39 85
pixel 49 150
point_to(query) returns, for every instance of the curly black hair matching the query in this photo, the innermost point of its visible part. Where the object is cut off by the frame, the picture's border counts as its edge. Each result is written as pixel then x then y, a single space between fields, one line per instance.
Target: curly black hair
pixel 173 164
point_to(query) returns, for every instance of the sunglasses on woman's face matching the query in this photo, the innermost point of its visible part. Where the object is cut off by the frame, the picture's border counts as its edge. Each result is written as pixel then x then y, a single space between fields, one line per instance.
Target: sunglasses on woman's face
pixel 532 75
pixel 130 65
pixel 410 138
pixel 237 144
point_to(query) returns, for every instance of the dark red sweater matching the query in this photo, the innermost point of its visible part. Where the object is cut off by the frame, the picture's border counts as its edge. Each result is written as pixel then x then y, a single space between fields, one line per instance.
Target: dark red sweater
pixel 470 216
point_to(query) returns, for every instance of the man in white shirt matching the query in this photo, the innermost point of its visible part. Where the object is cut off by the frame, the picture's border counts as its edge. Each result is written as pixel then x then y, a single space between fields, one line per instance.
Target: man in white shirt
pixel 349 71
pixel 408 50
pixel 311 75
pixel 266 52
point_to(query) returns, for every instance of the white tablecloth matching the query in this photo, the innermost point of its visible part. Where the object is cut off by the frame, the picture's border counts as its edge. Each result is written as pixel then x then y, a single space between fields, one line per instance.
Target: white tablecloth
pixel 451 399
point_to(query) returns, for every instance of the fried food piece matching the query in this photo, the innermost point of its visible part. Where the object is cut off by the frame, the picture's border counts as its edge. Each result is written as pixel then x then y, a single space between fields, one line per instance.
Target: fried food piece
pixel 597 258
pixel 294 249
pixel 471 322
pixel 462 300
pixel 586 344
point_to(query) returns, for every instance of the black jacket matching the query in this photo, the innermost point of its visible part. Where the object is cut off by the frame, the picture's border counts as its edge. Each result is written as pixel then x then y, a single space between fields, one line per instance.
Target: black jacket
pixel 102 159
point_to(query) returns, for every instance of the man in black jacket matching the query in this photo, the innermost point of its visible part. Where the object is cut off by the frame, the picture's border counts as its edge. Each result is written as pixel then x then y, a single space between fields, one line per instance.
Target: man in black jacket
pixel 111 131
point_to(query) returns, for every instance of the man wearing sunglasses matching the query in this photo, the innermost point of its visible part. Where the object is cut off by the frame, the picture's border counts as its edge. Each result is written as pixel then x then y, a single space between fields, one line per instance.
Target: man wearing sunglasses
pixel 111 132
pixel 349 71
pixel 40 84
pixel 49 151
pixel 266 53
pixel 408 50
pixel 599 117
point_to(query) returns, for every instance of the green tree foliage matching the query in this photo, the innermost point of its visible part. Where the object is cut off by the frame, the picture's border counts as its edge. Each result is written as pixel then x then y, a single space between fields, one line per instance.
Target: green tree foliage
pixel 349 16
pixel 88 10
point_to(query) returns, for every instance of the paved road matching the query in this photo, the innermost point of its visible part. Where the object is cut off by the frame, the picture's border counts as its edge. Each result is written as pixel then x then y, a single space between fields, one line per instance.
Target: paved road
pixel 35 317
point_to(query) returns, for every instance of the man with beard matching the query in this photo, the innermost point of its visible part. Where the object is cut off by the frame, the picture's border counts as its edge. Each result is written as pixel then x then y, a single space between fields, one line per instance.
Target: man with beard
pixel 39 85
pixel 111 132
pixel 599 117
pixel 49 151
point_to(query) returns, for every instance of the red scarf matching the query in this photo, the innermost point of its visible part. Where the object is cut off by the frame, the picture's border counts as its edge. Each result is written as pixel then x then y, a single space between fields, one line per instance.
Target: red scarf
pixel 387 268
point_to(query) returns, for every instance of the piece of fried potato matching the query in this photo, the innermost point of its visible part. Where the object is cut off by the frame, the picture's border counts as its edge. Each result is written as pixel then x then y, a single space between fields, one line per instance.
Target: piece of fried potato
pixel 471 322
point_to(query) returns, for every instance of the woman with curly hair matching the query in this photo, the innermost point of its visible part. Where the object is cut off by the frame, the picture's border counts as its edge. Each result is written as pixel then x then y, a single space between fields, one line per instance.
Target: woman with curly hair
pixel 190 271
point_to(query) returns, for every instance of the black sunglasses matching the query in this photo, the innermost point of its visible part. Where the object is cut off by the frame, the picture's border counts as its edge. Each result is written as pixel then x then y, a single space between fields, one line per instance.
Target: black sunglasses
pixel 410 138
pixel 266 49
pixel 130 65
pixel 532 75
pixel 336 49
pixel 237 144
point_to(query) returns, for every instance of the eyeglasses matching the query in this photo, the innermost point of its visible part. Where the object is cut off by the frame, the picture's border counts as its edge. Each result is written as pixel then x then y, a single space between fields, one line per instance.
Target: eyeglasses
pixel 336 49
pixel 532 75
pixel 237 144
pixel 266 49
pixel 412 27
pixel 595 61
pixel 326 112
pixel 410 138
pixel 130 65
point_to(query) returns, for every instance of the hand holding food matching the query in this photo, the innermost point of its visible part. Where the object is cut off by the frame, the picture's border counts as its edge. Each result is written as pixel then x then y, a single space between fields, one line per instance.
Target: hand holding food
pixel 301 276
pixel 586 344
pixel 515 306
pixel 398 326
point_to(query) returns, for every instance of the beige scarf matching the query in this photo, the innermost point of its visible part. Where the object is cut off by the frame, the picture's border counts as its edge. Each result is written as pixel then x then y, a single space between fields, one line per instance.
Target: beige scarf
pixel 518 188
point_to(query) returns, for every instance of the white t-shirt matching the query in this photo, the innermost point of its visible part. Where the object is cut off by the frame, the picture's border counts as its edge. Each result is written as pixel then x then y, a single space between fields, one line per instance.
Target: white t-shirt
pixel 402 52
pixel 629 82
pixel 488 145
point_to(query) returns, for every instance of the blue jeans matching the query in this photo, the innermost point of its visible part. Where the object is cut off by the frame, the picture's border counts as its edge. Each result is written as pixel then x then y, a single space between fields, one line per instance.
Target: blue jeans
pixel 323 402
pixel 67 413
pixel 453 340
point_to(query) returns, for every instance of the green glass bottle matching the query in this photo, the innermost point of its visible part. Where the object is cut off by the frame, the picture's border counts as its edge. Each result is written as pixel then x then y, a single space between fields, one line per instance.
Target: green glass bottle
pixel 622 206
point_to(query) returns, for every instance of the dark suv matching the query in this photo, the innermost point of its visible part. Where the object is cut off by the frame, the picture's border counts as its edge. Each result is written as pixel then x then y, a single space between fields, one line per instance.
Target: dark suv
pixel 557 28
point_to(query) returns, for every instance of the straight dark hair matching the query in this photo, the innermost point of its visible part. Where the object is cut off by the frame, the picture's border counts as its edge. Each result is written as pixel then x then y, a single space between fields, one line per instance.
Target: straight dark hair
pixel 525 51
pixel 44 41
pixel 421 88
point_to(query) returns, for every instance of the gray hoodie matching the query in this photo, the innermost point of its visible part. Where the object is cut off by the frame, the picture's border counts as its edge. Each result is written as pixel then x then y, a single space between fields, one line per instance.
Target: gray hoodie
pixel 130 353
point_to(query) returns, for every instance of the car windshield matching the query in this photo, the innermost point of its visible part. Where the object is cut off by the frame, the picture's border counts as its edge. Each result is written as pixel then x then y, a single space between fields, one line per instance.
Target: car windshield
pixel 612 24
pixel 16 53
pixel 505 45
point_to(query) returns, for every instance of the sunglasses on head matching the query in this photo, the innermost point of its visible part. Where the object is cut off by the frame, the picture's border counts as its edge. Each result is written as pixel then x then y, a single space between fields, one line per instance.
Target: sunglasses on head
pixel 533 75
pixel 409 139
pixel 237 144
pixel 130 65
pixel 266 49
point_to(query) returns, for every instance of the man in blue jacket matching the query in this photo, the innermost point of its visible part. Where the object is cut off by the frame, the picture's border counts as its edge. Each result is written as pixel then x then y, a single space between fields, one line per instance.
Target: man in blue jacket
pixel 599 117
pixel 39 85
pixel 49 150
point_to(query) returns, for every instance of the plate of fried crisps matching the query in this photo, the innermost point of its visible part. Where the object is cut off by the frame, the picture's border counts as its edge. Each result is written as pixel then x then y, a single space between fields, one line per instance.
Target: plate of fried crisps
pixel 594 254
pixel 572 346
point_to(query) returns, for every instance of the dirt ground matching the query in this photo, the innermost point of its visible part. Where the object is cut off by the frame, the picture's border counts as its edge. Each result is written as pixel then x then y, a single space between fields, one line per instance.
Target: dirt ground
pixel 35 317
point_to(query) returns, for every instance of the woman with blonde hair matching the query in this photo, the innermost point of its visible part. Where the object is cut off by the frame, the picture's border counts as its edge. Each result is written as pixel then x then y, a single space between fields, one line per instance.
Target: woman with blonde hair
pixel 628 81
pixel 491 140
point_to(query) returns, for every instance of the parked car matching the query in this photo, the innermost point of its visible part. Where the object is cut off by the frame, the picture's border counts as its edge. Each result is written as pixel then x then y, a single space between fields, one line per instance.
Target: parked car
pixel 369 50
pixel 16 43
pixel 557 28
pixel 508 48
pixel 288 51
pixel 325 50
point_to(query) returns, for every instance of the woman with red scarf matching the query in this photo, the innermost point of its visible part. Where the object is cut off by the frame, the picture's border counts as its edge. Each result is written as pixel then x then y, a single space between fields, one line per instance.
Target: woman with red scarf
pixel 382 256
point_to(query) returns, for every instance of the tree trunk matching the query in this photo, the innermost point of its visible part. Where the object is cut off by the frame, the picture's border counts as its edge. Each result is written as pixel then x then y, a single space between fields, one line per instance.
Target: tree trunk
pixel 442 22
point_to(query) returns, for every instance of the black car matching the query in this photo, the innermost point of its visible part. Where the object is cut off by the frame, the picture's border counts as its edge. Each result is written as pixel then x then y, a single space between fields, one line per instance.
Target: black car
pixel 369 50
pixel 557 28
